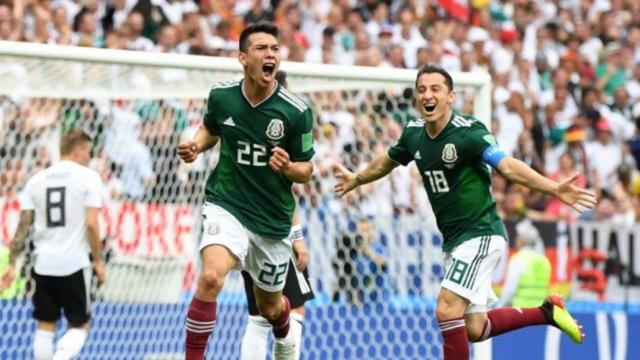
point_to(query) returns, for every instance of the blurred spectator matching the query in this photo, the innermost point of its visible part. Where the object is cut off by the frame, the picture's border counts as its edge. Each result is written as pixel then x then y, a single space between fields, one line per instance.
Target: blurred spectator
pixel 408 36
pixel 86 30
pixel 574 145
pixel 604 156
pixel 529 272
pixel 133 32
pixel 611 70
pixel 360 266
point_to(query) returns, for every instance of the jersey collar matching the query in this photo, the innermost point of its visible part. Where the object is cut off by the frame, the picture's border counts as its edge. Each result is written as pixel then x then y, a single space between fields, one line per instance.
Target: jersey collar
pixel 426 129
pixel 274 91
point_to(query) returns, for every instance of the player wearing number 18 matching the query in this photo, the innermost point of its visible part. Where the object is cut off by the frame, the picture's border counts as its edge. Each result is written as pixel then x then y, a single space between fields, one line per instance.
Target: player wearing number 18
pixel 452 152
pixel 265 145
pixel 63 202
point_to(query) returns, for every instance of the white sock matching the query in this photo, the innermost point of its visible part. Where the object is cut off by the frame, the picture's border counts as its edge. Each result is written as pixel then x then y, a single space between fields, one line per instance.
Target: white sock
pixel 254 341
pixel 70 344
pixel 43 345
pixel 295 330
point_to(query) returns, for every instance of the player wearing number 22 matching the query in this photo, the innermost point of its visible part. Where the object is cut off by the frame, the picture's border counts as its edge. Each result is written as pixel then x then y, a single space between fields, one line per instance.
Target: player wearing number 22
pixel 62 202
pixel 452 152
pixel 265 145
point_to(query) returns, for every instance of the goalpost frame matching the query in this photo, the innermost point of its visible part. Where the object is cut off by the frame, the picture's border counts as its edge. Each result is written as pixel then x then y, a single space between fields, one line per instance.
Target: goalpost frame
pixel 359 74
pixel 481 81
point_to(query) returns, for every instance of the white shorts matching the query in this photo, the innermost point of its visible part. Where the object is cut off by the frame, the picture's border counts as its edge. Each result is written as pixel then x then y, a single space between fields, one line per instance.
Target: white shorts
pixel 266 260
pixel 468 270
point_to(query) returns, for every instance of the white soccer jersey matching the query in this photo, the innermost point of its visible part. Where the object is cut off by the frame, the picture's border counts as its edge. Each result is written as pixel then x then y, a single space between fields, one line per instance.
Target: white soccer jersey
pixel 59 195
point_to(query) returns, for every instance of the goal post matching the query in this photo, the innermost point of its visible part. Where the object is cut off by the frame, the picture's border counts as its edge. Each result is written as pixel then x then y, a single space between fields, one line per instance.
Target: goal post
pixel 138 106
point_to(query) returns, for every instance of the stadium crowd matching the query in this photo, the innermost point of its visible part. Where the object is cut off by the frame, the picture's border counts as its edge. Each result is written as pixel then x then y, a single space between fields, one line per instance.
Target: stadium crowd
pixel 566 77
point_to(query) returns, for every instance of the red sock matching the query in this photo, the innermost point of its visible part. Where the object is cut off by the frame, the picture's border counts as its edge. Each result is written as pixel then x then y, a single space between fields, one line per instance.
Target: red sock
pixel 456 342
pixel 281 325
pixel 201 319
pixel 502 320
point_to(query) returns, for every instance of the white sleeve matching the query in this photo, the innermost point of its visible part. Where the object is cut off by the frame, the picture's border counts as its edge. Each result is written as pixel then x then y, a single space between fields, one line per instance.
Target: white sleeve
pixel 511 283
pixel 95 191
pixel 26 196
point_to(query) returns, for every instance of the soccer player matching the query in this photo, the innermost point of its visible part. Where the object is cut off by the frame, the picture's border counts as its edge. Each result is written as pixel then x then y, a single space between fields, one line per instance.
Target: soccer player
pixel 452 152
pixel 63 201
pixel 266 145
pixel 296 288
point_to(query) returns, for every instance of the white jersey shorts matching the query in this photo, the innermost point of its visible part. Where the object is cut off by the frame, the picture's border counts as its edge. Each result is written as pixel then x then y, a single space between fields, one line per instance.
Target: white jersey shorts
pixel 468 270
pixel 266 260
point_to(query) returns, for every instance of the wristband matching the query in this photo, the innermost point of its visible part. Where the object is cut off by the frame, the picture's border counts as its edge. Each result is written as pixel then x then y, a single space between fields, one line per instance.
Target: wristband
pixel 296 233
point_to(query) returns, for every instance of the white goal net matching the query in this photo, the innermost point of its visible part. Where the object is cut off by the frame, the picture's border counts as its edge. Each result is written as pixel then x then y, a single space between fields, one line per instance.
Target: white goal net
pixel 138 107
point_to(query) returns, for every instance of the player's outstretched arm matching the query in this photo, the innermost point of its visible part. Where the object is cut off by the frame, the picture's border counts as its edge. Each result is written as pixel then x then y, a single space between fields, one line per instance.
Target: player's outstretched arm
pixel 578 198
pixel 202 141
pixel 379 167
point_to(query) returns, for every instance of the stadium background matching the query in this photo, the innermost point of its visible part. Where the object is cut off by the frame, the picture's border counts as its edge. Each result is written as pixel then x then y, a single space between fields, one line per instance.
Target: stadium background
pixel 563 72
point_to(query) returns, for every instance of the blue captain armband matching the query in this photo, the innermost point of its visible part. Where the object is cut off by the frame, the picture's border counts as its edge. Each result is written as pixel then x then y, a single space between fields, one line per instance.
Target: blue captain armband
pixel 492 155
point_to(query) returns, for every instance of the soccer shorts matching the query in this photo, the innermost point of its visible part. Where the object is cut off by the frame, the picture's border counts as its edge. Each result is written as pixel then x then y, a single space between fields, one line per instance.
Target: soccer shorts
pixel 69 293
pixel 468 270
pixel 266 260
pixel 297 288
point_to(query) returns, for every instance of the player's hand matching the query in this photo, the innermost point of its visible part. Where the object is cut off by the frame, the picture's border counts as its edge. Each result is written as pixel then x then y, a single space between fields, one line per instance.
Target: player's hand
pixel 347 180
pixel 279 160
pixel 188 151
pixel 578 198
pixel 101 273
pixel 7 277
pixel 302 254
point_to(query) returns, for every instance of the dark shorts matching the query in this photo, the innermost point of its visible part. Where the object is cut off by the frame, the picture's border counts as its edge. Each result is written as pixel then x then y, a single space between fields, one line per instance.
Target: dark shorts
pixel 69 293
pixel 296 288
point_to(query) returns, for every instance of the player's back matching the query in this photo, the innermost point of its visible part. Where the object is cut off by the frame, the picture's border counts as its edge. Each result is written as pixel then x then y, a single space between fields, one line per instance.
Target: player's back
pixel 59 196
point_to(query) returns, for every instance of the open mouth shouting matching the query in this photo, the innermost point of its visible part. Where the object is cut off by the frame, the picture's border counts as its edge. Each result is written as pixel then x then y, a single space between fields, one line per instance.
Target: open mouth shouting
pixel 268 70
pixel 429 108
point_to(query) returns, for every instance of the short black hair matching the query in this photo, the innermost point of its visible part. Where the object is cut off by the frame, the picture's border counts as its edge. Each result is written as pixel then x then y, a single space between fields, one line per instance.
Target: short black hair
pixel 259 27
pixel 281 77
pixel 431 69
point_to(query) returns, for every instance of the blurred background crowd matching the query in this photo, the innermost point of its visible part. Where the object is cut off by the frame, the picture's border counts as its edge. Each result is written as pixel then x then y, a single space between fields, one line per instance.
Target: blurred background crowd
pixel 566 76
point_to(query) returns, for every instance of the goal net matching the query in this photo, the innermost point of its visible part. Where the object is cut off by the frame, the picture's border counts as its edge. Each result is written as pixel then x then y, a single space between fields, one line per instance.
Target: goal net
pixel 138 107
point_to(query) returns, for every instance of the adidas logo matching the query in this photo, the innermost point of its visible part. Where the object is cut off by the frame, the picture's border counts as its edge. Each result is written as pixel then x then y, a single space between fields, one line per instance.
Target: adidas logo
pixel 417 155
pixel 229 122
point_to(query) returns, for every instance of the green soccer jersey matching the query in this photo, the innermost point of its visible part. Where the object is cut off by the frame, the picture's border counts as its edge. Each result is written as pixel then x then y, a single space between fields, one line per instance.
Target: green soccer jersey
pixel 242 182
pixel 456 178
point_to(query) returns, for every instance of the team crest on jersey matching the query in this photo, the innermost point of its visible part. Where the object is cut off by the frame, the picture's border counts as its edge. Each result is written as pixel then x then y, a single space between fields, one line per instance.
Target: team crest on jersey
pixel 275 130
pixel 449 153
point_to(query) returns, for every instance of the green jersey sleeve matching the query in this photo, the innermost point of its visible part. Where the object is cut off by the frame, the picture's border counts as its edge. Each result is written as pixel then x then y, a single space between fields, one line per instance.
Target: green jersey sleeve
pixel 399 152
pixel 479 140
pixel 210 118
pixel 301 146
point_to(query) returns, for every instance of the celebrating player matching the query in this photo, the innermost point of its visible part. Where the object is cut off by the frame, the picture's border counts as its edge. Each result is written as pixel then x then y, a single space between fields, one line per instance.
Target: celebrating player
pixel 266 145
pixel 452 152
pixel 297 289
pixel 63 201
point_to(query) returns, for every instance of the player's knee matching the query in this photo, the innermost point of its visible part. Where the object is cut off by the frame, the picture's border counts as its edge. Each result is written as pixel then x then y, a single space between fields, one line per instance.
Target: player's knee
pixel 211 280
pixel 269 310
pixel 448 310
pixel 444 312
pixel 474 333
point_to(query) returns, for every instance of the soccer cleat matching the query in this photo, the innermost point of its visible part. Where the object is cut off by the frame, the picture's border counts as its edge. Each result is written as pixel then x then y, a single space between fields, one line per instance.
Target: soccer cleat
pixel 284 349
pixel 557 315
